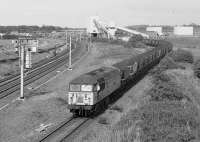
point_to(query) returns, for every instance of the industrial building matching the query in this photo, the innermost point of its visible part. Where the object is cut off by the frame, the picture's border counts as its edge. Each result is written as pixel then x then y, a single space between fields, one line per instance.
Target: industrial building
pixel 184 30
pixel 175 31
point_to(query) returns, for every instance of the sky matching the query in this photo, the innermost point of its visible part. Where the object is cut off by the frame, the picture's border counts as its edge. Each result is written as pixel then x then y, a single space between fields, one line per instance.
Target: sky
pixel 76 13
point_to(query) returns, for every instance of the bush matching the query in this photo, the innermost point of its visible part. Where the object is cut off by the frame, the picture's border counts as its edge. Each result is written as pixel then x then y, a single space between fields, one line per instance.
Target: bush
pixel 171 120
pixel 165 63
pixel 164 88
pixel 166 91
pixel 196 68
pixel 182 56
pixel 160 77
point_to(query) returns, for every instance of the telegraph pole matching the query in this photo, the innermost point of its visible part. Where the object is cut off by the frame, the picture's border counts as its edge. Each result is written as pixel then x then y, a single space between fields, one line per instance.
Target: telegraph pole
pixel 80 36
pixel 90 40
pixel 66 39
pixel 70 53
pixel 76 41
pixel 22 69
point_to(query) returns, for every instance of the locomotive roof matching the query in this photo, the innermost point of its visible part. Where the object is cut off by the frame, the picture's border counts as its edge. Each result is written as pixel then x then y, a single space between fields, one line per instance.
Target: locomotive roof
pixel 92 76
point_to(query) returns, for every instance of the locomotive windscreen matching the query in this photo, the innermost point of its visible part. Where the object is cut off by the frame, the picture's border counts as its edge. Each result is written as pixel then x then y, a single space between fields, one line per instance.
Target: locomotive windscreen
pixel 86 87
pixel 74 87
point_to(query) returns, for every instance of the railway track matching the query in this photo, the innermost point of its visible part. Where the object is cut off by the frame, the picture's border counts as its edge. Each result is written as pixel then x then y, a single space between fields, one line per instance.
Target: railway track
pixel 11 85
pixel 35 65
pixel 66 129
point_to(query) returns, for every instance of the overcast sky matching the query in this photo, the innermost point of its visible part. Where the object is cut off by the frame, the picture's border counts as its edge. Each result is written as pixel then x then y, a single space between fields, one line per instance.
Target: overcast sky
pixel 75 13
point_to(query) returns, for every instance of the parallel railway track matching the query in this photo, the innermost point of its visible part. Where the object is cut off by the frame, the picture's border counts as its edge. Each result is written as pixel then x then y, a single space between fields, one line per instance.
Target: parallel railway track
pixel 35 65
pixel 63 131
pixel 11 85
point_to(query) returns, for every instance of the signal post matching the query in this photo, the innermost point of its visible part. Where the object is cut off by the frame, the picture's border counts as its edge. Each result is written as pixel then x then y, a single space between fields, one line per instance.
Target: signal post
pixel 70 53
pixel 21 48
pixel 78 36
pixel 24 49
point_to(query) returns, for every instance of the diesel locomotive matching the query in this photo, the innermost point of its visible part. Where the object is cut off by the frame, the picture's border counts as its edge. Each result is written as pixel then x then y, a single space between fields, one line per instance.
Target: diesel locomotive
pixel 89 93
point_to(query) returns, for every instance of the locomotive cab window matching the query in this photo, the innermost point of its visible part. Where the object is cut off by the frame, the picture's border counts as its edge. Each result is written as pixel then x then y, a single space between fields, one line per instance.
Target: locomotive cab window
pixel 86 88
pixel 75 87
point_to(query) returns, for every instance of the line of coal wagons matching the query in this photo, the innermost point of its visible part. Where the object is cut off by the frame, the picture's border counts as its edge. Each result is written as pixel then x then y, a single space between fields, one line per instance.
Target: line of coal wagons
pixel 91 92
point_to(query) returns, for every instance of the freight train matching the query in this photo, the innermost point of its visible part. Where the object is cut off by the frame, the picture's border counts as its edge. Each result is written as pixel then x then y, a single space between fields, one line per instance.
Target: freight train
pixel 90 92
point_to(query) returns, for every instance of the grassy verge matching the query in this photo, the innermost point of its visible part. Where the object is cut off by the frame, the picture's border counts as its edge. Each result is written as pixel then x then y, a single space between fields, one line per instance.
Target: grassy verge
pixel 170 115
pixel 173 111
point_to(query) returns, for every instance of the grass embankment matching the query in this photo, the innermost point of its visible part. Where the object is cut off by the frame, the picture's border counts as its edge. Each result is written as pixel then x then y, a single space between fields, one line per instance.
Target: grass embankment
pixel 172 112
pixel 191 44
pixel 185 42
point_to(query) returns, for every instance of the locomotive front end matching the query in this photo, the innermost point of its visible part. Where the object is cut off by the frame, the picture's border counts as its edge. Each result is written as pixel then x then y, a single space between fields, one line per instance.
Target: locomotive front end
pixel 88 92
pixel 80 95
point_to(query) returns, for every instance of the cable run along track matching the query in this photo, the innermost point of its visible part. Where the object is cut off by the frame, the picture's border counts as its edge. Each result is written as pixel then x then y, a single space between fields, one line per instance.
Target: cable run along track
pixel 39 70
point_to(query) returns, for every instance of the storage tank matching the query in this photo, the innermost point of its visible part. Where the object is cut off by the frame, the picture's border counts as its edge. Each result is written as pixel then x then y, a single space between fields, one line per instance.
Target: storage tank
pixel 155 29
pixel 184 30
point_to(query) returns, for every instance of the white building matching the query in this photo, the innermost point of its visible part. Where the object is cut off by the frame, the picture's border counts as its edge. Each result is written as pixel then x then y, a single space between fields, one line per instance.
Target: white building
pixel 184 30
pixel 155 29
